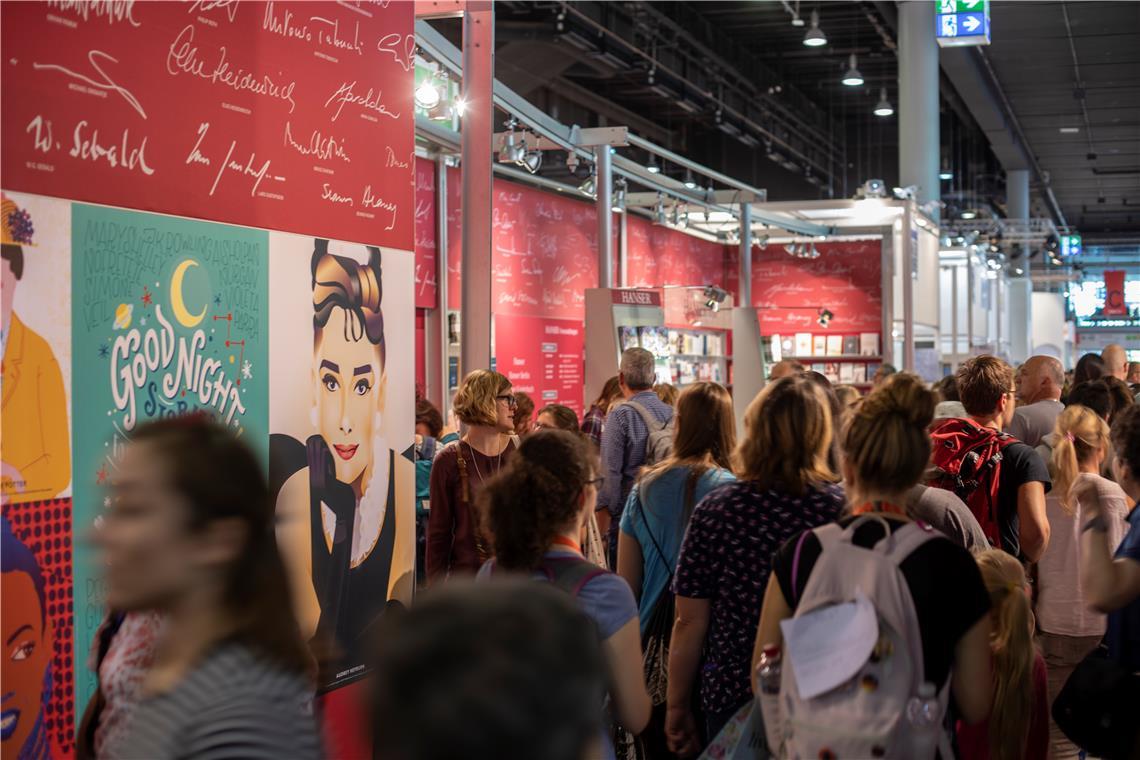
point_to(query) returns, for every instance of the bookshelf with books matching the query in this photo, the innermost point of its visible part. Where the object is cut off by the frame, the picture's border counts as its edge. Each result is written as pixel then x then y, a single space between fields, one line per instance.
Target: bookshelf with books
pixel 843 358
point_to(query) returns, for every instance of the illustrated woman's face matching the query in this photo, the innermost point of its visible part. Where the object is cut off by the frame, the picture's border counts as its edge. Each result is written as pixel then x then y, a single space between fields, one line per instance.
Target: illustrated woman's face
pixel 350 391
pixel 27 653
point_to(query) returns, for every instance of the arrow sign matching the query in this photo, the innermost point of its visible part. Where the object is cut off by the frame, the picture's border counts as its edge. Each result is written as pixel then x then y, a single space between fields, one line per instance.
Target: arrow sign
pixel 969 5
pixel 971 22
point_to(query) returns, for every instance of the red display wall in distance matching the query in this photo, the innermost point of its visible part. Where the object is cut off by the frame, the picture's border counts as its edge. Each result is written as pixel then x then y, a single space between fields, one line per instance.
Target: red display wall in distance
pixel 659 256
pixel 846 279
pixel 285 116
pixel 427 254
pixel 542 357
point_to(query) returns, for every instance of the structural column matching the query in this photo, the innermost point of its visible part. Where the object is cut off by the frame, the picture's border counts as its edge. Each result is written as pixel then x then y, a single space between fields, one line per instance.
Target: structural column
pixel 918 101
pixel 604 187
pixel 439 359
pixel 477 136
pixel 1020 286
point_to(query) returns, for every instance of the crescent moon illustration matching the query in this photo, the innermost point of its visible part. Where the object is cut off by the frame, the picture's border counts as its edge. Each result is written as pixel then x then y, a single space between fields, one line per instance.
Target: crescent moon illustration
pixel 177 305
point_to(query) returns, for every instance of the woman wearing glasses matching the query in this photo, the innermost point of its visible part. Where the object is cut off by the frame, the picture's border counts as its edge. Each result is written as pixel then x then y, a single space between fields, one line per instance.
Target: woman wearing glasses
pixel 456 541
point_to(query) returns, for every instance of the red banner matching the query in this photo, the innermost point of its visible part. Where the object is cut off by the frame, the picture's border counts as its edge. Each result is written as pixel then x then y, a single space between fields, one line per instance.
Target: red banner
pixel 1114 305
pixel 287 116
pixel 427 254
pixel 846 280
pixel 542 357
pixel 659 256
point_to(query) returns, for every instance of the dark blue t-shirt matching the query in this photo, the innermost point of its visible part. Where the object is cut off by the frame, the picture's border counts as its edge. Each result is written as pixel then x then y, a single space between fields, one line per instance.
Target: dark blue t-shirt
pixel 1124 624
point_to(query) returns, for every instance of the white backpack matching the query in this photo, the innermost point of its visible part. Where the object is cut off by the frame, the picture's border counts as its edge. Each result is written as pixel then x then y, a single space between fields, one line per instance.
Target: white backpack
pixel 659 446
pixel 857 703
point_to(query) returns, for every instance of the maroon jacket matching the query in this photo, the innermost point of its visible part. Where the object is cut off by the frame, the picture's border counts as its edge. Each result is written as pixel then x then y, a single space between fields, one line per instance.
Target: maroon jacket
pixel 451 529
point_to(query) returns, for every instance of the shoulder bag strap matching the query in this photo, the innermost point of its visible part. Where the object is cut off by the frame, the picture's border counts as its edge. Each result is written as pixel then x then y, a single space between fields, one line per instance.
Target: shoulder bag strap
pixel 651 422
pixel 464 483
pixel 690 495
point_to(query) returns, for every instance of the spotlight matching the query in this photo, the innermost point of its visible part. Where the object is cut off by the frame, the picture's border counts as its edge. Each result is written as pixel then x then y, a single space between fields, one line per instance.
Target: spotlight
pixel 763 242
pixel 513 149
pixel 659 216
pixel 815 36
pixel 588 184
pixel 874 188
pixel 617 203
pixel 969 214
pixel 572 162
pixel 690 183
pixel 825 317
pixel 652 166
pixel 945 175
pixel 790 249
pixel 905 193
pixel 427 94
pixel 532 160
pixel 852 78
pixel 714 297
pixel 884 107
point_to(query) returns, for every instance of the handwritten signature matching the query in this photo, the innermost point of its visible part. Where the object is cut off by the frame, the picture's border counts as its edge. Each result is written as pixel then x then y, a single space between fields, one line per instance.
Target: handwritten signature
pixel 319 145
pixel 182 57
pixel 370 101
pixel 205 6
pixel 247 169
pixel 106 83
pixel 112 10
pixel 402 48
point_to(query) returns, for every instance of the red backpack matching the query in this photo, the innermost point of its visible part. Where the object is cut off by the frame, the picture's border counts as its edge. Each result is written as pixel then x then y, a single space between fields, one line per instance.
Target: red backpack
pixel 967 460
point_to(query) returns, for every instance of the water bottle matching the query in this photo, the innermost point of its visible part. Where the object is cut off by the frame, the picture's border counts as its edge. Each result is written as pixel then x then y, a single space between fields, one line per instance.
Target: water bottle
pixel 768 672
pixel 922 714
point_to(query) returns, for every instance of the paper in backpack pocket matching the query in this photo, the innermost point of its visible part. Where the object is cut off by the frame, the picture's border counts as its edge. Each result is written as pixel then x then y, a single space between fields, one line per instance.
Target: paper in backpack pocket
pixel 828 646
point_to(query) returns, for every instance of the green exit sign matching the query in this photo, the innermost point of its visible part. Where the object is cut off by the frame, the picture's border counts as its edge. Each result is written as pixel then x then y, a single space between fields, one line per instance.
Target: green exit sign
pixel 962 6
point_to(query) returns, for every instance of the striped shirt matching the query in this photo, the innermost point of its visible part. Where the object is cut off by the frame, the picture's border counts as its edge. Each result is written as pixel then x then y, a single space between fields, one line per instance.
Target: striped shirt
pixel 232 705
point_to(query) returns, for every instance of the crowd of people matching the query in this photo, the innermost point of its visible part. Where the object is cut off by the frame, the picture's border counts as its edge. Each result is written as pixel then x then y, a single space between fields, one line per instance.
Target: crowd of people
pixel 948 570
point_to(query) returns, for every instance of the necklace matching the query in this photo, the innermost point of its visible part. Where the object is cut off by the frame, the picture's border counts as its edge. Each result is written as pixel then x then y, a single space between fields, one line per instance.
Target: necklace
pixel 475 461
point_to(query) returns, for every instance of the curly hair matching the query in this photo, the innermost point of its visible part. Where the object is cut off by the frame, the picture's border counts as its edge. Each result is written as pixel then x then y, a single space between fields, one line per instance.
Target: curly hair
pixel 536 496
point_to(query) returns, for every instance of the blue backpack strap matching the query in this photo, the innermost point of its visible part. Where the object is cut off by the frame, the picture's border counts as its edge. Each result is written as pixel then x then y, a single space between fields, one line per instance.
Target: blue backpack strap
pixel 570 574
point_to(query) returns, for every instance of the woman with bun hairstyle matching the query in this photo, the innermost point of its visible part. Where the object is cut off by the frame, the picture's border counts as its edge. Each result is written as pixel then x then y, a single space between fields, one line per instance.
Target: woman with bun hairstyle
pixel 336 502
pixel 457 543
pixel 886 450
pixel 1070 628
pixel 535 510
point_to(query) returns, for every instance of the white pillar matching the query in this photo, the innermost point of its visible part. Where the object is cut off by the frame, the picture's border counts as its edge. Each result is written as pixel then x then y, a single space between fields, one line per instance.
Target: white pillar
pixel 604 187
pixel 1021 287
pixel 918 101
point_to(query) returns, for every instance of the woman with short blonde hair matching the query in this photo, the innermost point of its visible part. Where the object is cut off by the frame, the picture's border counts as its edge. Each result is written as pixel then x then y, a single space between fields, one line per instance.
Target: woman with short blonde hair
pixel 456 541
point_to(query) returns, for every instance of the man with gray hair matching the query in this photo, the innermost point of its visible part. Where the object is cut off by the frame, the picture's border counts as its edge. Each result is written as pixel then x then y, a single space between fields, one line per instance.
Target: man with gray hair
pixel 1039 385
pixel 625 437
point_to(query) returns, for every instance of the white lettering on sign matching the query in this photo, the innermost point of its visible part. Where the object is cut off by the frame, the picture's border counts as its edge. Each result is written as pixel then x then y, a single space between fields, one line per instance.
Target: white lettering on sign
pixel 636 297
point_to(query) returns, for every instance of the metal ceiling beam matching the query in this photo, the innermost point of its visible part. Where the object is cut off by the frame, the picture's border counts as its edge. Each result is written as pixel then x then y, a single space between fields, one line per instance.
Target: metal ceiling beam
pixel 448 56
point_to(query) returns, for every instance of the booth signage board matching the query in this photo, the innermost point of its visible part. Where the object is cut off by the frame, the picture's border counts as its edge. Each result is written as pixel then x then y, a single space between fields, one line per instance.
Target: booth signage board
pixel 1070 245
pixel 637 297
pixel 960 23
pixel 542 357
pixel 1114 305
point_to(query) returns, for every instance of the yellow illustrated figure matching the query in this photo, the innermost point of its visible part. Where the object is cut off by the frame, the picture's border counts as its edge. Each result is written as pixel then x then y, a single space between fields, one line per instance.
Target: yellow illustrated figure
pixel 34 441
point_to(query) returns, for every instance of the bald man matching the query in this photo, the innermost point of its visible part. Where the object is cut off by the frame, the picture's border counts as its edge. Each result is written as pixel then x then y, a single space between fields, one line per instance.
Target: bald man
pixel 1115 360
pixel 1039 386
pixel 785 368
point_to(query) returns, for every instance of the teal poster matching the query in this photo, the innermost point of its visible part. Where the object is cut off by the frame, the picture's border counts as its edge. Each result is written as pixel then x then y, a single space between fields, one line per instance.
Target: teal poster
pixel 169 317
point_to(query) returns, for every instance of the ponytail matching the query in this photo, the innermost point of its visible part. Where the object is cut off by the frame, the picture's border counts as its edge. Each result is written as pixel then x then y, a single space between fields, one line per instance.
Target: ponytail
pixel 535 497
pixel 1013 654
pixel 1079 435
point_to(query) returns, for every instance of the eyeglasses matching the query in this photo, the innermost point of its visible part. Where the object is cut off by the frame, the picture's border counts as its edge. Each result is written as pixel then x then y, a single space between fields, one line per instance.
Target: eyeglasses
pixel 512 402
pixel 539 426
pixel 597 482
